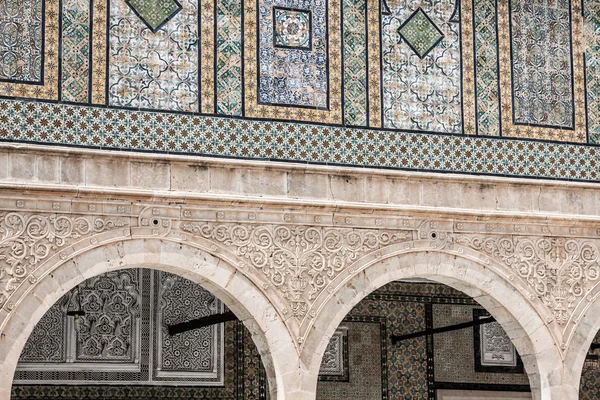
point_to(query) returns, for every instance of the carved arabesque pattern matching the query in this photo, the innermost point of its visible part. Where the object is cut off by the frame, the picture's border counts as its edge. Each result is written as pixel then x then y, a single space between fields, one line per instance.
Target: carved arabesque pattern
pixel 28 239
pixel 560 271
pixel 299 261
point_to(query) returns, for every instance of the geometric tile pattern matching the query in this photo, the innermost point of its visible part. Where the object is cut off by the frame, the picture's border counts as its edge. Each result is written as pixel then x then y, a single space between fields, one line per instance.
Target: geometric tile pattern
pixel 292 28
pixel 154 13
pixel 541 63
pixel 99 52
pixel 154 71
pixel 424 92
pixel 592 67
pixel 355 62
pixel 420 33
pixel 487 84
pixel 229 57
pixel 522 82
pixel 32 121
pixel 293 54
pixel 76 50
pixel 21 40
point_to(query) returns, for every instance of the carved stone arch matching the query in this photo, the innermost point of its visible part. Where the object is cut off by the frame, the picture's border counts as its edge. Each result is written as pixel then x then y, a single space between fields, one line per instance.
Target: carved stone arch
pixel 582 336
pixel 122 249
pixel 472 275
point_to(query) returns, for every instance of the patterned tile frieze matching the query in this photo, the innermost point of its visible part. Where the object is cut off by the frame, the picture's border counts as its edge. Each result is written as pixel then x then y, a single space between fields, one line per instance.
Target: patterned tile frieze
pixel 154 70
pixel 422 68
pixel 541 81
pixel 592 65
pixel 181 133
pixel 487 85
pixel 355 62
pixel 229 57
pixel 30 25
pixel 21 41
pixel 76 50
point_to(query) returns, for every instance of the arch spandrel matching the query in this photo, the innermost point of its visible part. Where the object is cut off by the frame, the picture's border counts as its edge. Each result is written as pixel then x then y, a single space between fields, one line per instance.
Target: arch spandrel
pixel 299 260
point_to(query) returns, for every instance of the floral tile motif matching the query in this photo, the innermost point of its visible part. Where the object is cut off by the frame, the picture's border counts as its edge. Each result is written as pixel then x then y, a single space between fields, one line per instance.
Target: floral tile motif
pixel 21 41
pixel 76 50
pixel 422 93
pixel 229 57
pixel 154 70
pixel 154 13
pixel 293 53
pixel 592 67
pixel 355 62
pixel 292 28
pixel 541 63
pixel 99 53
pixel 420 33
pixel 486 75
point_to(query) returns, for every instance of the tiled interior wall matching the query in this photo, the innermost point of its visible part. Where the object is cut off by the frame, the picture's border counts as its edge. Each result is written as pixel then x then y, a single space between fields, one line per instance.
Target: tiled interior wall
pixel 376 367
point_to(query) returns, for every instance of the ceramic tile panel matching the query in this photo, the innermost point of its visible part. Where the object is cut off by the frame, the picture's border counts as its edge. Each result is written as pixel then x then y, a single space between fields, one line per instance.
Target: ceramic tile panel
pixel 355 62
pixel 299 79
pixel 592 67
pixel 21 41
pixel 76 50
pixel 229 47
pixel 154 70
pixel 421 50
pixel 487 85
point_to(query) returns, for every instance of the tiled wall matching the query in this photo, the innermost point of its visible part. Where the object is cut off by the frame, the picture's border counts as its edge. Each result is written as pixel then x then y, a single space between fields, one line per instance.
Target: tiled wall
pixel 412 72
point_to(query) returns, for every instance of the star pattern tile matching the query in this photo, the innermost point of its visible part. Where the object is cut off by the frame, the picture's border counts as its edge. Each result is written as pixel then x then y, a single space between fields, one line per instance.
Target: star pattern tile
pixel 420 33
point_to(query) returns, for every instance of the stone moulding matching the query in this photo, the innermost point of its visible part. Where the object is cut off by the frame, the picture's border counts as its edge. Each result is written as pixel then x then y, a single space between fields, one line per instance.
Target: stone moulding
pixel 301 259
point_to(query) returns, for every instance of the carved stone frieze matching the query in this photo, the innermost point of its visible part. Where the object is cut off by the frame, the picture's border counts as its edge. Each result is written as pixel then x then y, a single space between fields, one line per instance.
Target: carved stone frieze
pixel 299 261
pixel 300 258
pixel 560 271
pixel 26 239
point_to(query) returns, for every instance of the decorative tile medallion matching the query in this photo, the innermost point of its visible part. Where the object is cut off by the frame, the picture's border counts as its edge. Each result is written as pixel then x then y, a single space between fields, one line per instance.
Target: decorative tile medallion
pixel 420 33
pixel 293 57
pixel 154 13
pixel 21 40
pixel 292 28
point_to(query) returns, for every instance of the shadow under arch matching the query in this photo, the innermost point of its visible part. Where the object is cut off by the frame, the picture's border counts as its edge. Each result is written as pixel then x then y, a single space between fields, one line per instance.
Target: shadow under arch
pixel 236 291
pixel 520 320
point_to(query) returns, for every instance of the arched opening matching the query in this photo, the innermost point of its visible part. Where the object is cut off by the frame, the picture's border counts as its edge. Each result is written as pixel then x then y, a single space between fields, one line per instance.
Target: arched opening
pixel 371 355
pixel 174 262
pixel 109 338
pixel 460 290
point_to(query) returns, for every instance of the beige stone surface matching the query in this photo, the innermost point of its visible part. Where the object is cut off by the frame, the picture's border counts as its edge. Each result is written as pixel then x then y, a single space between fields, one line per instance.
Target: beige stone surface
pixel 516 246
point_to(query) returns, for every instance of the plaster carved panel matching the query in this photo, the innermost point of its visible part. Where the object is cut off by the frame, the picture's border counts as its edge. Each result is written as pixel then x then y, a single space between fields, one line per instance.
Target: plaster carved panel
pixel 335 358
pixel 108 330
pixel 47 341
pixel 193 354
pixel 299 261
pixel 27 239
pixel 494 351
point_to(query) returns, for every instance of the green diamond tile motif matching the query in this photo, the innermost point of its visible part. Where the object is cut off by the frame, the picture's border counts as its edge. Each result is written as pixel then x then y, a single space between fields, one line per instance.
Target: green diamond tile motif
pixel 154 13
pixel 420 33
